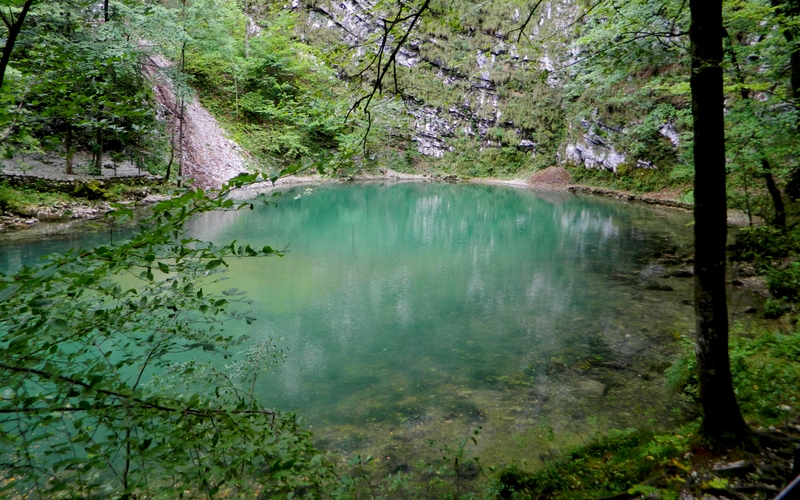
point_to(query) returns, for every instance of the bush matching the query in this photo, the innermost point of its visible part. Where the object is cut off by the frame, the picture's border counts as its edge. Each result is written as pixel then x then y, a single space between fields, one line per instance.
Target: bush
pixel 7 201
pixel 764 367
pixel 607 466
pixel 765 371
pixel 763 243
pixel 775 308
pixel 785 283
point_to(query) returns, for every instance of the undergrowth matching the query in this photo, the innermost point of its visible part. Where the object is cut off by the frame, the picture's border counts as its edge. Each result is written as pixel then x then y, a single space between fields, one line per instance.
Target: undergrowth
pixel 639 180
pixel 25 201
pixel 615 463
pixel 765 367
pixel 22 201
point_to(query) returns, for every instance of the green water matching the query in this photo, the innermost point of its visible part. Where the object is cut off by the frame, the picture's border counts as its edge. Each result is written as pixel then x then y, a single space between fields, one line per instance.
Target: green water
pixel 417 311
pixel 421 311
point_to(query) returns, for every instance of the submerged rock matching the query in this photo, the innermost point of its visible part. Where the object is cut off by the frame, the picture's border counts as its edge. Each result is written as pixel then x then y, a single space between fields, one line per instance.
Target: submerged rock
pixel 591 388
pixel 656 286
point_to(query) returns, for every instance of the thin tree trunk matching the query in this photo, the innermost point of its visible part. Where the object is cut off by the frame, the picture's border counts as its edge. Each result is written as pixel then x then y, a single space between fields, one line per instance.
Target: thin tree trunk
pixel 180 133
pixel 68 145
pixel 721 416
pixel 775 193
pixel 747 201
pixel 180 147
pixel 98 161
pixel 171 154
pixel 105 11
pixel 246 30
pixel 14 27
pixel 766 174
pixel 792 9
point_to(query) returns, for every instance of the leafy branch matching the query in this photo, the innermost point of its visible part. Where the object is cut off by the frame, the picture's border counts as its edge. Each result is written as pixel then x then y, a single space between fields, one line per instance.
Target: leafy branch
pixel 94 398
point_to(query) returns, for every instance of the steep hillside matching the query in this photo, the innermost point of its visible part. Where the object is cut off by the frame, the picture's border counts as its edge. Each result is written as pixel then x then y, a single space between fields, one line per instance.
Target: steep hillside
pixel 466 81
pixel 497 83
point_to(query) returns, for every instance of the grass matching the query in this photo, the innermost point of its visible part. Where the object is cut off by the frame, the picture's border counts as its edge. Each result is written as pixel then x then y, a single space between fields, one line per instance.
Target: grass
pixel 610 465
pixel 637 180
pixel 24 201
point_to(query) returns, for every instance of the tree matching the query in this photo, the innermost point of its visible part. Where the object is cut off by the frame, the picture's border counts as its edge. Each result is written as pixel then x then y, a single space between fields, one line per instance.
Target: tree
pixel 81 81
pixel 722 418
pixel 14 24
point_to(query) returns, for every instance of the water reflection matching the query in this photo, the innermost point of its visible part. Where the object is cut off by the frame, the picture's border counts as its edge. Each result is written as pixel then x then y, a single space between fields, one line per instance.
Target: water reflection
pixel 424 310
pixel 399 303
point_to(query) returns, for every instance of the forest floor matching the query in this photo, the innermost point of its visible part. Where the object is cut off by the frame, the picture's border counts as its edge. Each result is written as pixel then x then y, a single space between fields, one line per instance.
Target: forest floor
pixel 52 166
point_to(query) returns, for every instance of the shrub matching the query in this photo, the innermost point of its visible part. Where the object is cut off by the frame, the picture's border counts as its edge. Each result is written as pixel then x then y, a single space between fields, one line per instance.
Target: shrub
pixel 762 242
pixel 775 308
pixel 94 400
pixel 785 283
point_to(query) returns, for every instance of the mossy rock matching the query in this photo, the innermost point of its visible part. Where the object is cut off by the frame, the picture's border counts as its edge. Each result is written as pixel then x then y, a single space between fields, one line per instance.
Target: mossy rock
pixel 91 189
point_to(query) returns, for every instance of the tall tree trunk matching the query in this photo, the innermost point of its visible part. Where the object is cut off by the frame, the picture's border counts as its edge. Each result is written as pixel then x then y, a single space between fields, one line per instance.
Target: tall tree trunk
pixel 14 27
pixel 246 30
pixel 775 193
pixel 98 160
pixel 180 130
pixel 721 416
pixel 68 145
pixel 180 146
pixel 171 154
pixel 105 11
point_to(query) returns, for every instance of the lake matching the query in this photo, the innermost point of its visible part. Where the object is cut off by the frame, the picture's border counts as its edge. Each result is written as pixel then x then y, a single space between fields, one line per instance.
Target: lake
pixel 414 312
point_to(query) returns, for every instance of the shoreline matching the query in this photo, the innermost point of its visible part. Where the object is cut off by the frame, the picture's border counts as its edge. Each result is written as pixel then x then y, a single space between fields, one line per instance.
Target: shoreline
pixel 77 210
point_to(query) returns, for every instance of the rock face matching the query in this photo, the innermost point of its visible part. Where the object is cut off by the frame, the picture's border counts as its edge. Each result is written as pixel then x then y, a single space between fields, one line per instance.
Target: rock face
pixel 475 106
pixel 209 158
pixel 483 82
pixel 592 151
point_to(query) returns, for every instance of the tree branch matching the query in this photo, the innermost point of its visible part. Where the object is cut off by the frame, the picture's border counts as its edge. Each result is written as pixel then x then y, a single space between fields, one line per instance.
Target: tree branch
pixel 126 397
pixel 391 61
pixel 524 25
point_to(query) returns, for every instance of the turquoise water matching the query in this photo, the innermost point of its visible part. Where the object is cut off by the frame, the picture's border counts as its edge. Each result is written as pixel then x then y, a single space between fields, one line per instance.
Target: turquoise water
pixel 425 310
pixel 411 312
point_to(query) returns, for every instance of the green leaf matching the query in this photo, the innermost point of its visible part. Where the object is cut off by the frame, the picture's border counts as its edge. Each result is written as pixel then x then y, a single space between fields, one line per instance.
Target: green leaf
pixel 40 302
pixel 7 292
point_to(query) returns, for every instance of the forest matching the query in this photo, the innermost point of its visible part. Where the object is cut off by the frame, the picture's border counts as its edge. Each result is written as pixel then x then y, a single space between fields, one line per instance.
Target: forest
pixel 122 375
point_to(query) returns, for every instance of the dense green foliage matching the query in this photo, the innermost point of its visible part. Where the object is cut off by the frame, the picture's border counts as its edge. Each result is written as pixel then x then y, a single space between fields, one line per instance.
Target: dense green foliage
pixel 774 253
pixel 765 368
pixel 279 100
pixel 78 82
pixel 613 464
pixel 75 84
pixel 104 391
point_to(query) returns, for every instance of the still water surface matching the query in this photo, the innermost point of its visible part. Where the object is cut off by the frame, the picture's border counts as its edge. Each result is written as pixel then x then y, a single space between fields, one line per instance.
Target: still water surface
pixel 412 312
